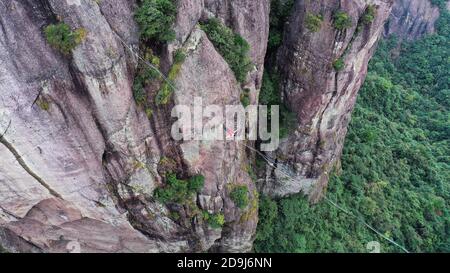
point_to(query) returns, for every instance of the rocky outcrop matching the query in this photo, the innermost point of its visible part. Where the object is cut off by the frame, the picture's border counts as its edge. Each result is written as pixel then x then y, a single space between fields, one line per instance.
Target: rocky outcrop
pixel 321 95
pixel 80 160
pixel 411 19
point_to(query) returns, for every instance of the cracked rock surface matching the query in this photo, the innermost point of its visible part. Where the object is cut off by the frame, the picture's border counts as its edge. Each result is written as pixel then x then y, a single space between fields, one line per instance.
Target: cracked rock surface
pixel 411 19
pixel 321 97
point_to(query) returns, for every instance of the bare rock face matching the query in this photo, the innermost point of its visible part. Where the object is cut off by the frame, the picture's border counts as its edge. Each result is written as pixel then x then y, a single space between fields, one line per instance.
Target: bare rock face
pixel 51 144
pixel 56 226
pixel 78 158
pixel 411 19
pixel 64 117
pixel 321 96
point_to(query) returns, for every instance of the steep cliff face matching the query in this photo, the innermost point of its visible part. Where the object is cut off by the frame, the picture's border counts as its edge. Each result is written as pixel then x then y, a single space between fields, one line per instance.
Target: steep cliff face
pixel 411 19
pixel 67 120
pixel 322 66
pixel 80 160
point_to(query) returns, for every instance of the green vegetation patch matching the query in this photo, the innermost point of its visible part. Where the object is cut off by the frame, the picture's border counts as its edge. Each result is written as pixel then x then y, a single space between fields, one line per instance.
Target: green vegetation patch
pixel 239 195
pixel 313 22
pixel 155 19
pixel 179 56
pixel 442 4
pixel 268 214
pixel 369 14
pixel 178 190
pixel 216 220
pixel 233 48
pixel 280 11
pixel 245 97
pixel 339 64
pixel 341 20
pixel 270 95
pixel 43 103
pixel 144 75
pixel 63 38
pixel 166 90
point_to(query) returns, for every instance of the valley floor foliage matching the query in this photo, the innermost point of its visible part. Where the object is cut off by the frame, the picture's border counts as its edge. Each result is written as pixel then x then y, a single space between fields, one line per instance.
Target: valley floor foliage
pixel 395 165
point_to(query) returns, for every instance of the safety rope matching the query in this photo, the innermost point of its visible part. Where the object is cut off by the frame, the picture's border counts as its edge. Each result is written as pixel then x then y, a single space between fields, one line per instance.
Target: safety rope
pixel 270 161
pixel 366 224
pixel 144 61
pixel 292 179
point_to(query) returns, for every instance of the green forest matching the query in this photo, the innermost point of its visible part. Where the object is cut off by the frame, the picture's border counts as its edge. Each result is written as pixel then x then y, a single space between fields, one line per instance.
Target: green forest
pixel 395 165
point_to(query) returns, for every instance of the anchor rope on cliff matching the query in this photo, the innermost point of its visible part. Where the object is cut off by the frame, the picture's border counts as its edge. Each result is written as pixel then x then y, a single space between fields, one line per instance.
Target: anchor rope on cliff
pixel 366 224
pixel 272 162
pixel 151 66
pixel 280 167
pixel 290 177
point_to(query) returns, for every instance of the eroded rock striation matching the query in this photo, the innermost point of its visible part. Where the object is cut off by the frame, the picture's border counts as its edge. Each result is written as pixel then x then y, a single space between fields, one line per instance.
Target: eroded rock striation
pixel 411 19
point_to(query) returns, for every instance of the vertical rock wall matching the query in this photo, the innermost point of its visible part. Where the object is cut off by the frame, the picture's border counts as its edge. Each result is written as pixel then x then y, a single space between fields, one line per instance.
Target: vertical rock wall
pixel 321 97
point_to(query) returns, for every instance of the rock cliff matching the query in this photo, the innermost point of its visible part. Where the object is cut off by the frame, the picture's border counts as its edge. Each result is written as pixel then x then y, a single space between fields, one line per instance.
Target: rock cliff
pixel 80 159
pixel 411 19
pixel 321 69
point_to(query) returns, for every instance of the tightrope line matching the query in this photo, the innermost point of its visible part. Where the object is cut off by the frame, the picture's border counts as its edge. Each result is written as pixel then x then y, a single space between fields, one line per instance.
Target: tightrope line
pixel 290 177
